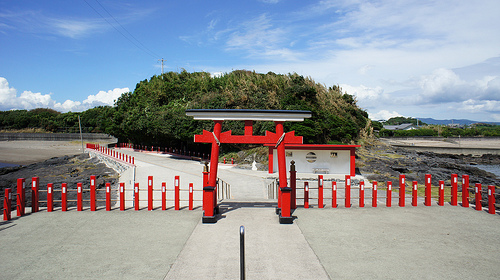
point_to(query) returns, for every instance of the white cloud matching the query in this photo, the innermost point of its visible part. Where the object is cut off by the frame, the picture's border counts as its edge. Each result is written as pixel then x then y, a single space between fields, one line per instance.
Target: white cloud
pixel 75 28
pixel 30 100
pixel 6 93
pixel 384 115
pixel 476 106
pixel 363 93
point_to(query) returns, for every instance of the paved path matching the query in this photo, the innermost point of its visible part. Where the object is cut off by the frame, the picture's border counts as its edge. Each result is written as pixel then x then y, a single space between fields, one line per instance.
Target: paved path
pixel 377 243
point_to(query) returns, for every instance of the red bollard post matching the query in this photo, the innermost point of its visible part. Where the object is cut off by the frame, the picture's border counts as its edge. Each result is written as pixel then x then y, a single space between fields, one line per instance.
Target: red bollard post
pixel 150 193
pixel 306 195
pixel 402 193
pixel 491 200
pixel 7 200
pixel 441 193
pixel 64 197
pixel 224 160
pixel 34 194
pixel 163 196
pixel 177 193
pixel 122 196
pixel 133 160
pixel 92 193
pixel 388 200
pixel 362 194
pixel 50 199
pixel 232 160
pixel 320 191
pixel 79 199
pixel 21 201
pixel 414 193
pixel 374 193
pixel 454 189
pixel 479 206
pixel 136 196
pixel 465 190
pixel 205 182
pixel 108 197
pixel 347 191
pixel 334 194
pixel 190 196
pixel 428 186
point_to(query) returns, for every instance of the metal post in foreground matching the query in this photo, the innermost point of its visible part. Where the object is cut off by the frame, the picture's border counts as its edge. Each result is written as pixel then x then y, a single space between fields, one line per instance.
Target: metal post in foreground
pixel 242 252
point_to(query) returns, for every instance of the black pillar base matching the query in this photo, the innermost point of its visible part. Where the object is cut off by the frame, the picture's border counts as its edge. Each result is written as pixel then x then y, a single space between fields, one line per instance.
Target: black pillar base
pixel 278 211
pixel 209 219
pixel 286 220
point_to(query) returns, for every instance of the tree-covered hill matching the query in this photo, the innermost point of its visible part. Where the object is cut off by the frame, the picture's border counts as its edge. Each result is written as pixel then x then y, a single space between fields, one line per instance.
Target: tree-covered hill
pixel 154 114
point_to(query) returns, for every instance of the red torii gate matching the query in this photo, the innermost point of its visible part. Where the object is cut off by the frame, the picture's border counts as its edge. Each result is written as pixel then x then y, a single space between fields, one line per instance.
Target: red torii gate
pixel 279 139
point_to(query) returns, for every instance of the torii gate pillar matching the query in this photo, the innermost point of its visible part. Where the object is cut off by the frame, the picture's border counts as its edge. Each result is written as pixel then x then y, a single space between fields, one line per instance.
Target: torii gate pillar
pixel 279 139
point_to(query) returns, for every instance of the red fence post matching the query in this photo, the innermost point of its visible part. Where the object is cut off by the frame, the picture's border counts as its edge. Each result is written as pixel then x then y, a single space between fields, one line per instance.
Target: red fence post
pixel 388 200
pixel 136 196
pixel 334 194
pixel 79 199
pixel 402 194
pixel 7 200
pixel 362 194
pixel 122 196
pixel 177 192
pixel 92 193
pixel 320 191
pixel 150 193
pixel 465 190
pixel 479 206
pixel 347 191
pixel 491 200
pixel 190 196
pixel 163 196
pixel 454 189
pixel 306 195
pixel 34 194
pixel 20 197
pixel 50 200
pixel 64 197
pixel 374 194
pixel 108 196
pixel 441 193
pixel 428 186
pixel 414 193
pixel 205 183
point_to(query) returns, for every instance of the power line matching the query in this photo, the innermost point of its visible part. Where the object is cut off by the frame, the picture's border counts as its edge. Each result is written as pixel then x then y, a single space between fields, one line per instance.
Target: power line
pixel 136 43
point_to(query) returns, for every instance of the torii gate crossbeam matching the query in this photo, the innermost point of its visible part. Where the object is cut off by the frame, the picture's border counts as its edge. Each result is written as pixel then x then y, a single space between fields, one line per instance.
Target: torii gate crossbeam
pixel 279 139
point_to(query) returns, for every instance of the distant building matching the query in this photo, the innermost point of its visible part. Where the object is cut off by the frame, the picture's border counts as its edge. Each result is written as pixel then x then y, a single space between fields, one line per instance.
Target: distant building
pixel 404 126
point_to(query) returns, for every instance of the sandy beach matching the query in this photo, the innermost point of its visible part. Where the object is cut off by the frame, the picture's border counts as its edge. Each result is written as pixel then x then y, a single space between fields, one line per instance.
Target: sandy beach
pixel 28 152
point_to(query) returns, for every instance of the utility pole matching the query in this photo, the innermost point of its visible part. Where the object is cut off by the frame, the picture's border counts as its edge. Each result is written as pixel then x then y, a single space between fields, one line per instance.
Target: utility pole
pixel 162 64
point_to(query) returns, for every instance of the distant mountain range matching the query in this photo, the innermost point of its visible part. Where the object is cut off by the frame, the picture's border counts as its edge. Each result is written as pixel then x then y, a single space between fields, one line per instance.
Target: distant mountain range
pixel 454 121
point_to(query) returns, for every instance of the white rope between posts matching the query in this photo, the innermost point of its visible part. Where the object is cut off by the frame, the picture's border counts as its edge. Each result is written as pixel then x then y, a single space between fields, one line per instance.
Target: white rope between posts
pixel 280 140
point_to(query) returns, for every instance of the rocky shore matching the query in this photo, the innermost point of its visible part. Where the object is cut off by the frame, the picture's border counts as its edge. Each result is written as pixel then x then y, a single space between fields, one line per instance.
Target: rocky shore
pixel 381 162
pixel 71 169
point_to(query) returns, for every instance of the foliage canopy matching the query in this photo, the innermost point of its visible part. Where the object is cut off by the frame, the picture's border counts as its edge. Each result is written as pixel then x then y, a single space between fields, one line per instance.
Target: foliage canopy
pixel 154 114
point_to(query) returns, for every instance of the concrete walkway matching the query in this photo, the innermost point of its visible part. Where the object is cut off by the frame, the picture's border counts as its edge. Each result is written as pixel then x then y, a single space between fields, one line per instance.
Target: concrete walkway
pixel 378 243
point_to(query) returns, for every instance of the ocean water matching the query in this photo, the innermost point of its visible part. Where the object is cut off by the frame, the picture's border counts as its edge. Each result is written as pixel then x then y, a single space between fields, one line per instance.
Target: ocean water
pixel 495 169
pixel 2 165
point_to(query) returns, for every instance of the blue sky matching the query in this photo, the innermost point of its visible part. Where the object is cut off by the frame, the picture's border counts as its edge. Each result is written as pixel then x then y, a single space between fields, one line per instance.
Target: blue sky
pixel 438 59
